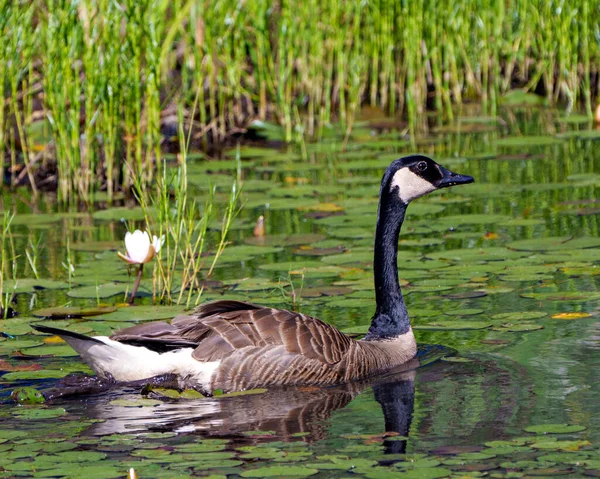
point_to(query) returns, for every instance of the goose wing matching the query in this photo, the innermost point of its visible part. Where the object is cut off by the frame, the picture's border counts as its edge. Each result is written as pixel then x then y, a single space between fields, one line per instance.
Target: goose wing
pixel 218 329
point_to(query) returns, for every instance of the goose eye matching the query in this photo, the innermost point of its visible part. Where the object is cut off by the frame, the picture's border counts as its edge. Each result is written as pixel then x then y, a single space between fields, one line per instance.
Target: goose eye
pixel 421 166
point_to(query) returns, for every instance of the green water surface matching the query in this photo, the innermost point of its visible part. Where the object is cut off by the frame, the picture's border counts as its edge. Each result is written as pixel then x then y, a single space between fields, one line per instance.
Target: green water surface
pixel 507 384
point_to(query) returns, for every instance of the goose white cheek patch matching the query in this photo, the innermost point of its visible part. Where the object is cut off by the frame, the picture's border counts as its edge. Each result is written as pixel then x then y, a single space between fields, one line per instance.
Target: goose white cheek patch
pixel 410 186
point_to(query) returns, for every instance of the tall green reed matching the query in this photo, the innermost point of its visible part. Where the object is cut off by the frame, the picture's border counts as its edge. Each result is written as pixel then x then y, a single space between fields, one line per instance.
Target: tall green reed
pixel 8 262
pixel 182 266
pixel 109 70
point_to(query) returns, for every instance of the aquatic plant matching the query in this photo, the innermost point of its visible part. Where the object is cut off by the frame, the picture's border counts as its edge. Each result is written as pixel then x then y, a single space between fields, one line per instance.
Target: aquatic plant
pixel 184 224
pixel 140 249
pixel 8 262
pixel 112 75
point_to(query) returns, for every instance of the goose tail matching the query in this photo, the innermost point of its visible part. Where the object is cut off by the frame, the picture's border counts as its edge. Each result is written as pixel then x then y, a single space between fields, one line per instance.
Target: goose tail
pixel 98 352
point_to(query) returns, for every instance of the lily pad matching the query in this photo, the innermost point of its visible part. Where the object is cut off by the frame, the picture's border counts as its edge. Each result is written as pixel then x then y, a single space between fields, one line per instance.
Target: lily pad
pixel 555 428
pixel 27 395
pixel 555 243
pixel 141 313
pixel 72 312
pixel 122 213
pixel 520 315
pixel 571 316
pixel 105 290
pixel 453 325
pixel 519 327
pixel 573 296
pixel 135 402
pixel 285 240
pixel 560 445
pixel 34 412
pixel 30 285
pixel 280 471
pixel 527 141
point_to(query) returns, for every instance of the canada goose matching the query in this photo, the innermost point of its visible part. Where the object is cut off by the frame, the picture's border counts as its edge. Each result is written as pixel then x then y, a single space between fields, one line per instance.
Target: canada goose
pixel 232 345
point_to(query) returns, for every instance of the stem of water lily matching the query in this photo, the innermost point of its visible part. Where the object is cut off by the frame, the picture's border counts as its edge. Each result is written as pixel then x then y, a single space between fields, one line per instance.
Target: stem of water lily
pixel 137 283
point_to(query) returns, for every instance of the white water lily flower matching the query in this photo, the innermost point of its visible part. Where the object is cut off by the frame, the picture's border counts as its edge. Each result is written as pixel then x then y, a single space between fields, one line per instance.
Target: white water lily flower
pixel 139 248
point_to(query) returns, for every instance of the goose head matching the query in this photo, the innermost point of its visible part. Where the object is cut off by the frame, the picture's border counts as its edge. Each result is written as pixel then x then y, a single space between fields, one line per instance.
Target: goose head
pixel 413 176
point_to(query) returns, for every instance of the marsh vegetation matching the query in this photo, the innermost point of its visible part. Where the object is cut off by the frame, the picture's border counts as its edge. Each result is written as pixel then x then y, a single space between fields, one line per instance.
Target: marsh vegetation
pixel 95 91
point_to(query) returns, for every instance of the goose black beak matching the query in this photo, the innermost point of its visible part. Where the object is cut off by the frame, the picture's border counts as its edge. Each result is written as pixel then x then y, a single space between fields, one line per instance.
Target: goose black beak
pixel 449 178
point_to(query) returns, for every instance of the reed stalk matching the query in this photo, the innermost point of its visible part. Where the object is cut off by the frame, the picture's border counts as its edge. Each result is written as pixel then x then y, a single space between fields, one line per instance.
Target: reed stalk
pixel 104 72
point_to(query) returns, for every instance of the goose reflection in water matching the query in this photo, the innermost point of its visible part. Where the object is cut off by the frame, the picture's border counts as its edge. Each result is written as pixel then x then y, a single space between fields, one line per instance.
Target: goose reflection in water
pixel 498 393
pixel 292 413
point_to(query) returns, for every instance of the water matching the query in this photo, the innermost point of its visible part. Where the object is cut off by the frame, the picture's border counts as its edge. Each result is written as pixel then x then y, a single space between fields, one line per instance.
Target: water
pixel 494 273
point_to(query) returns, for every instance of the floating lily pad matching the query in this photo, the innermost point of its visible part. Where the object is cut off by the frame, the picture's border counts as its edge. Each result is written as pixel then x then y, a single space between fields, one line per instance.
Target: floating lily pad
pixel 34 412
pixel 61 350
pixel 573 296
pixel 527 141
pixel 520 315
pixel 555 243
pixel 105 290
pixel 555 428
pixel 473 219
pixel 38 374
pixel 456 359
pixel 27 395
pixel 291 265
pixel 285 240
pixel 453 325
pixel 72 312
pixel 519 327
pixel 246 252
pixel 477 254
pixel 135 402
pixel 570 316
pixel 248 392
pixel 560 445
pixel 464 312
pixel 280 471
pixel 98 246
pixel 30 285
pixel 425 473
pixel 142 313
pixel 122 213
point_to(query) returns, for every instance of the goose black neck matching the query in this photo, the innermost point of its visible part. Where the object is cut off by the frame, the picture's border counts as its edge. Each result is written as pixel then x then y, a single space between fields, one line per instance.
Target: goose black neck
pixel 391 318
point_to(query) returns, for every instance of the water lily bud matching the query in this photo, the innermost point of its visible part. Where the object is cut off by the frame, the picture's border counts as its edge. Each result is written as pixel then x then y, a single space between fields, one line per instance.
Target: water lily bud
pixel 139 249
pixel 157 243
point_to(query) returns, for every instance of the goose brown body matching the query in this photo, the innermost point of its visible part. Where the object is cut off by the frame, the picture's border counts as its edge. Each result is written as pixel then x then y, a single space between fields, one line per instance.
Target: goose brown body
pixel 260 346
